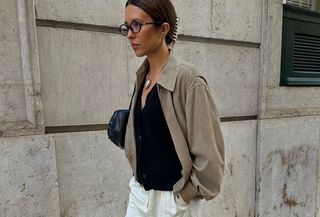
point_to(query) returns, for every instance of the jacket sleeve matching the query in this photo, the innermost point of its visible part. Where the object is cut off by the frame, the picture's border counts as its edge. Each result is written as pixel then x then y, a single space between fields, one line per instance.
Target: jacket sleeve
pixel 206 145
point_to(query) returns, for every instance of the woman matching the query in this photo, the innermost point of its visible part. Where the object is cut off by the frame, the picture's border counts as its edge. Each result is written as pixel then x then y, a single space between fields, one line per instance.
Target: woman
pixel 173 141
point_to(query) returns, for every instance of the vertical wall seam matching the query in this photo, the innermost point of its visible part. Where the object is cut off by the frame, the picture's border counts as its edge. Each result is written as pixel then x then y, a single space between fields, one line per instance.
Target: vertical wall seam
pixel 261 95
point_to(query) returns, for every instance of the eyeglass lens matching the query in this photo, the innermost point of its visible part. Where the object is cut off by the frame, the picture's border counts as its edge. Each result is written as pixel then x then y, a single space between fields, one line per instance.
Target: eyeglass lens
pixel 134 27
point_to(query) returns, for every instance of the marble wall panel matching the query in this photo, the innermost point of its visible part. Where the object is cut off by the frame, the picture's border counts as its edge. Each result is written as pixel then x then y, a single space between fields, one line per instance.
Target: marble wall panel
pixel 10 54
pixel 195 17
pixel 232 20
pixel 93 174
pixel 83 76
pixel 28 177
pixel 273 34
pixel 292 101
pixel 288 167
pixel 97 12
pixel 232 73
pixel 236 20
pixel 12 103
pixel 237 197
pixel 282 101
pixel 105 65
pixel 20 99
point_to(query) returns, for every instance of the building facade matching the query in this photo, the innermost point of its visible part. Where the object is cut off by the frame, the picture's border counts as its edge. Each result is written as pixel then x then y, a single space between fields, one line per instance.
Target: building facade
pixel 64 69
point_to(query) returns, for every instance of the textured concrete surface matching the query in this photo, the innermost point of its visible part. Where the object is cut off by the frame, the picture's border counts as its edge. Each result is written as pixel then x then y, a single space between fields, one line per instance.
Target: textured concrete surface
pixel 93 175
pixel 288 176
pixel 231 20
pixel 28 177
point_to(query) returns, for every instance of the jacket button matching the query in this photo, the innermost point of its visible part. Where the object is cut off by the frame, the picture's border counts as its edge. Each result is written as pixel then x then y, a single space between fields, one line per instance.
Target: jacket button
pixel 144 176
pixel 139 137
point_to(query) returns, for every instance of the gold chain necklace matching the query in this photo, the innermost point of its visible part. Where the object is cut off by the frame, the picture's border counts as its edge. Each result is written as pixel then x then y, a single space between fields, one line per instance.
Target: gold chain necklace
pixel 148 82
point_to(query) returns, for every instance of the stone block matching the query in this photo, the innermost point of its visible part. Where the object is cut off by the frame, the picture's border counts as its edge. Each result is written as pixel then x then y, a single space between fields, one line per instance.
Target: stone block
pixel 232 73
pixel 195 17
pixel 97 12
pixel 10 54
pixel 83 76
pixel 291 101
pixel 230 20
pixel 12 103
pixel 93 175
pixel 28 177
pixel 235 20
pixel 20 105
pixel 279 101
pixel 288 167
pixel 240 142
pixel 105 64
pixel 235 85
pixel 274 31
pixel 237 197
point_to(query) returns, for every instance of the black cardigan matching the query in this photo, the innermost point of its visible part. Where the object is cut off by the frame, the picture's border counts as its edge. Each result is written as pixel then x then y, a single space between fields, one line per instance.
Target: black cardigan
pixel 158 165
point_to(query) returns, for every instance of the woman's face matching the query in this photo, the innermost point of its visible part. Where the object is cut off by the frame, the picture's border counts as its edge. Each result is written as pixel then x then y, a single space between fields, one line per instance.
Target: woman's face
pixel 148 40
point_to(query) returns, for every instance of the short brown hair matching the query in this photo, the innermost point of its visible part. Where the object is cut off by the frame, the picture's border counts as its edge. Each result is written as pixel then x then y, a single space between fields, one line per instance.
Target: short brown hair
pixel 160 11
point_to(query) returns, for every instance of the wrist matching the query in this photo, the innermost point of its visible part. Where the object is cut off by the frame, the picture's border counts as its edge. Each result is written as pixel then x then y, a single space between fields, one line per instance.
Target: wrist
pixel 184 197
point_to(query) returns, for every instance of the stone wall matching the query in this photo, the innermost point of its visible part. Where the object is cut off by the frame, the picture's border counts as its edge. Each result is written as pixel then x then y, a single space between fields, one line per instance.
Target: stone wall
pixel 288 132
pixel 65 67
pixel 21 105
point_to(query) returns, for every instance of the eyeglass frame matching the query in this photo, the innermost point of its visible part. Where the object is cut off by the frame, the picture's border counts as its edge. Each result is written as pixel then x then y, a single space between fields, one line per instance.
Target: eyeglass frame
pixel 140 25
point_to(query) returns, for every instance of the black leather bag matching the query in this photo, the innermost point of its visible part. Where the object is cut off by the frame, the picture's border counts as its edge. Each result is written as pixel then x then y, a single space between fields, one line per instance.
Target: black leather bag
pixel 117 126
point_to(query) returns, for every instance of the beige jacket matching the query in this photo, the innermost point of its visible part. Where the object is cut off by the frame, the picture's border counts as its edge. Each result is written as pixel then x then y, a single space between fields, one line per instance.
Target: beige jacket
pixel 194 125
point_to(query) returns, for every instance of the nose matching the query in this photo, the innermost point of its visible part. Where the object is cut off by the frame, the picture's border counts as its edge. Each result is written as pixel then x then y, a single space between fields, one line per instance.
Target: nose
pixel 130 34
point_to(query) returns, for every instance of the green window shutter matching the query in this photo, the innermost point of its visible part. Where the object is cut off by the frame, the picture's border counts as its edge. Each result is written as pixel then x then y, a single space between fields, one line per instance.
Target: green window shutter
pixel 300 61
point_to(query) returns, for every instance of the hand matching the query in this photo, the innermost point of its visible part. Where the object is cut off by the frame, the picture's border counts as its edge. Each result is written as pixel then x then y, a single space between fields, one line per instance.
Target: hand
pixel 184 198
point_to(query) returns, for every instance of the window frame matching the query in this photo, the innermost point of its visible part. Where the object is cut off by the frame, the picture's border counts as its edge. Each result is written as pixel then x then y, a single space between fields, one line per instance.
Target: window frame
pixel 303 21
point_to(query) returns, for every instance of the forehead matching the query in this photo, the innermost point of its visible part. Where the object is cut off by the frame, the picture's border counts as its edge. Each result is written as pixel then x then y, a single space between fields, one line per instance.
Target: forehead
pixel 135 13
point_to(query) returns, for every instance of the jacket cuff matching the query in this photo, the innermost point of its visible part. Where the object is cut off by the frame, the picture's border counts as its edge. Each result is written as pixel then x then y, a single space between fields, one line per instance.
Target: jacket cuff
pixel 188 192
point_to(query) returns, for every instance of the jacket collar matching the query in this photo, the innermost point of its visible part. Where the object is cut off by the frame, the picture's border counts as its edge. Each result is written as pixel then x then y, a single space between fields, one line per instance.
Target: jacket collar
pixel 168 75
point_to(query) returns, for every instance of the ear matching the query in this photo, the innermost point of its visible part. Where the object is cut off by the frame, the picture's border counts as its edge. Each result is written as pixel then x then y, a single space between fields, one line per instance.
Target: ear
pixel 165 28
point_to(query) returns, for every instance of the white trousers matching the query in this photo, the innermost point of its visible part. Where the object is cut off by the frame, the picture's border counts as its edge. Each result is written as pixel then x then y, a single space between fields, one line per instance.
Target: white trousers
pixel 154 203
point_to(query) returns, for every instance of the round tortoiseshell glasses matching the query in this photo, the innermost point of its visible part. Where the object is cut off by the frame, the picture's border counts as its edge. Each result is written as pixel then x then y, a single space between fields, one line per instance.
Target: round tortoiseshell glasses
pixel 134 27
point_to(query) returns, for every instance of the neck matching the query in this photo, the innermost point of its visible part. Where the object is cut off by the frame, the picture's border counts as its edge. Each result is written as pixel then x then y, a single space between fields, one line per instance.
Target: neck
pixel 158 59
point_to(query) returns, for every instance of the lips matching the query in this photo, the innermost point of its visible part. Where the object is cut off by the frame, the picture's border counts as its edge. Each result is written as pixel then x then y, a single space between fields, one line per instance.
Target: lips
pixel 134 46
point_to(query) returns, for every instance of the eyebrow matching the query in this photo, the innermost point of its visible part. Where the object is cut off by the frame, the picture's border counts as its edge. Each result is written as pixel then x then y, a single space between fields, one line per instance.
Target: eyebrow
pixel 134 20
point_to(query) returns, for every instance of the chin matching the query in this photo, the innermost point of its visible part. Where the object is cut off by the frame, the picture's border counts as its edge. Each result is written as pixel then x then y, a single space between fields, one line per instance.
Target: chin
pixel 139 54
